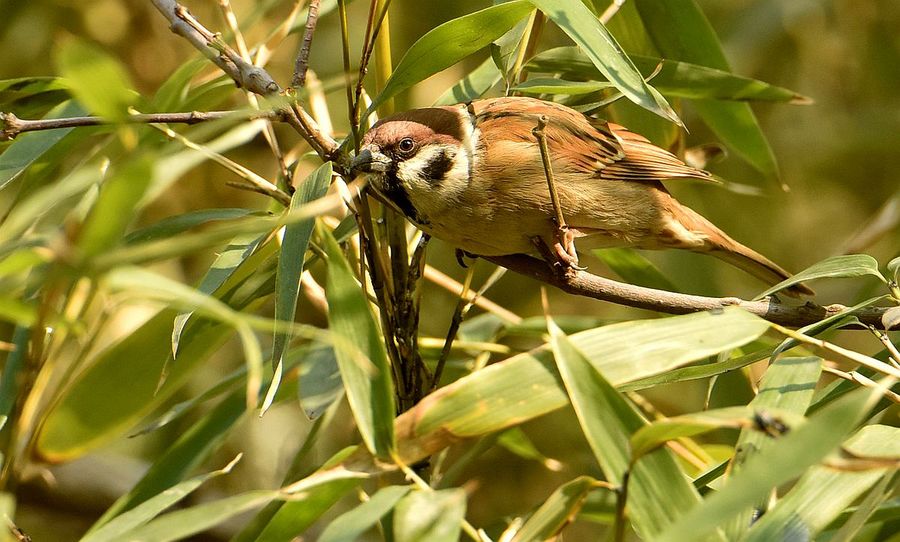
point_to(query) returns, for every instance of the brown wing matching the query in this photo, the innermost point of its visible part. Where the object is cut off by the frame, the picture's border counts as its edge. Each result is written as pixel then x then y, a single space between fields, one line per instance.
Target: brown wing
pixel 591 146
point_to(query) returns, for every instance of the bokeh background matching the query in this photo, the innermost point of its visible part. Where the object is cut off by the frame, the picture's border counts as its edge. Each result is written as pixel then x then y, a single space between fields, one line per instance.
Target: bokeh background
pixel 840 158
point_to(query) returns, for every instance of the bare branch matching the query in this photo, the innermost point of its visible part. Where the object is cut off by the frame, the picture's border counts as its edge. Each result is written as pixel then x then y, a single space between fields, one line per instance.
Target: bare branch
pixel 14 126
pixel 588 285
pixel 247 76
pixel 301 65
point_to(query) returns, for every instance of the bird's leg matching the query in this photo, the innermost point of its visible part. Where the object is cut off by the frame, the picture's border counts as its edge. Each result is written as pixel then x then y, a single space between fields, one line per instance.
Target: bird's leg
pixel 564 248
pixel 461 255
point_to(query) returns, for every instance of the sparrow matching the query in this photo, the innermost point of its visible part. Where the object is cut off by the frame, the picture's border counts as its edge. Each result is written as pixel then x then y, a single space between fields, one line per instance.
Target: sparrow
pixel 472 175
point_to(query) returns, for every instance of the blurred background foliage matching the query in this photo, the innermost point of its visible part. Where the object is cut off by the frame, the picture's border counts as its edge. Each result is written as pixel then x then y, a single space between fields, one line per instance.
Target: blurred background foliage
pixel 838 158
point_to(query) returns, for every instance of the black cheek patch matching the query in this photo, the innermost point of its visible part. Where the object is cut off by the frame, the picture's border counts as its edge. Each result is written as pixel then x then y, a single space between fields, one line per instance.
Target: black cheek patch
pixel 397 194
pixel 438 167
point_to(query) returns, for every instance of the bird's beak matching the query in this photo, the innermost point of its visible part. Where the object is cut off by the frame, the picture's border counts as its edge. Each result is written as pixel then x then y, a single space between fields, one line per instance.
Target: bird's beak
pixel 370 161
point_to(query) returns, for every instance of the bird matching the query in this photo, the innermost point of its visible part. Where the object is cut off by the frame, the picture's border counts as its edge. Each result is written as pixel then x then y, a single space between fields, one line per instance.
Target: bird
pixel 472 175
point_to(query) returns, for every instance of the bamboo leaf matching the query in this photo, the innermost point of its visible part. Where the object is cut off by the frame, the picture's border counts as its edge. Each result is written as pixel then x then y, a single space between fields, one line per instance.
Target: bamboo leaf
pixel 540 85
pixel 172 226
pixel 447 44
pixel 557 511
pixel 583 27
pixel 117 528
pixel 430 516
pixel 851 265
pixel 634 268
pixel 680 31
pixel 292 256
pixel 670 77
pixel 608 421
pixel 351 525
pixel 473 85
pixel 96 79
pixel 369 390
pixel 29 147
pixel 793 454
pixel 823 492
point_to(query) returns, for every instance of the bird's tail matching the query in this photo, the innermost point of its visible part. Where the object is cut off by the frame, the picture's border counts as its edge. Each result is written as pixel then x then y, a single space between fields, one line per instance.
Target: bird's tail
pixel 717 243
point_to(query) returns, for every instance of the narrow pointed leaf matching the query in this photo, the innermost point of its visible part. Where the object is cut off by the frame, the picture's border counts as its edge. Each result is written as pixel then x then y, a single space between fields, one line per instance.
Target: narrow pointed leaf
pixel 449 43
pixel 851 265
pixel 557 511
pixel 293 252
pixel 472 86
pixel 680 31
pixel 608 421
pixel 634 268
pixel 353 524
pixel 96 79
pixel 793 454
pixel 823 493
pixel 430 516
pixel 28 148
pixel 115 529
pixel 369 387
pixel 583 27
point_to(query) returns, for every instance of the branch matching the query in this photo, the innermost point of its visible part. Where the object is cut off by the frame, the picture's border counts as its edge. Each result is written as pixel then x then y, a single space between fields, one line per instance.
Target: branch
pixel 588 285
pixel 301 65
pixel 14 126
pixel 247 76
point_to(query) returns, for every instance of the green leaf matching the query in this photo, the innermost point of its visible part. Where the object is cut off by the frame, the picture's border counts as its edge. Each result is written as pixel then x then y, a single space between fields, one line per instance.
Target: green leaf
pixel 182 457
pixel 540 85
pixel 517 442
pixel 172 226
pixel 430 516
pixel 866 510
pixel 294 517
pixel 608 421
pixel 823 493
pixel 292 256
pixel 351 525
pixel 656 434
pixel 494 398
pixel 115 529
pixel 634 268
pixel 788 385
pixel 792 454
pixel 449 43
pixel 184 523
pixel 577 21
pixel 672 77
pixel 557 511
pixel 851 265
pixel 319 379
pixel 893 268
pixel 368 385
pixel 472 86
pixel 114 209
pixel 29 147
pixel 96 79
pixel 680 31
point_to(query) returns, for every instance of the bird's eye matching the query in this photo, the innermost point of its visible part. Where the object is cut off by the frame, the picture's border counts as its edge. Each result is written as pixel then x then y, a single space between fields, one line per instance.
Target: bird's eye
pixel 406 145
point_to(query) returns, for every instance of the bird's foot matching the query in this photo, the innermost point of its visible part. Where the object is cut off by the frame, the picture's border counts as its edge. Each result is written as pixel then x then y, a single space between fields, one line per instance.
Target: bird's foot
pixel 559 259
pixel 461 255
pixel 564 248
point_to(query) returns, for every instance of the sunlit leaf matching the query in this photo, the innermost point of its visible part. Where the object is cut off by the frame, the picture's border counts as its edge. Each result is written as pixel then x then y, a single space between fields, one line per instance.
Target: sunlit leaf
pixel 851 265
pixel 608 421
pixel 823 492
pixel 292 256
pixel 793 454
pixel 540 85
pixel 29 147
pixel 369 387
pixel 353 524
pixel 577 21
pixel 96 79
pixel 116 528
pixel 172 226
pixel 449 43
pixel 557 511
pixel 472 86
pixel 680 31
pixel 430 516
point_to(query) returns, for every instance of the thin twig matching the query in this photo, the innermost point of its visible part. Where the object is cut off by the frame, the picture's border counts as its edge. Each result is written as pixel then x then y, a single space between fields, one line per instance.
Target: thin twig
pixel 247 76
pixel 894 356
pixel 455 322
pixel 301 65
pixel 611 10
pixel 538 132
pixel 14 126
pixel 586 284
pixel 862 380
